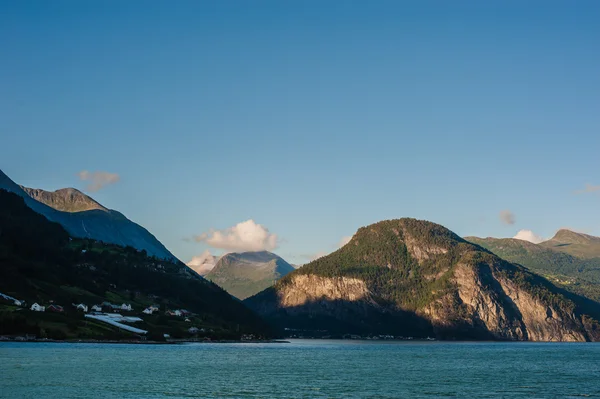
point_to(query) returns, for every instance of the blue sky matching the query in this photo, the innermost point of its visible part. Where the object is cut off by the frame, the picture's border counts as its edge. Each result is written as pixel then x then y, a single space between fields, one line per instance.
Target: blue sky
pixel 310 118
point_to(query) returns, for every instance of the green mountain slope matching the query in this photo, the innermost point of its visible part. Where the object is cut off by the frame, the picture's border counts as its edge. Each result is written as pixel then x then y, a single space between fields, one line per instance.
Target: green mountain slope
pixel 247 273
pixel 40 262
pixel 95 221
pixel 411 277
pixel 581 276
pixel 576 244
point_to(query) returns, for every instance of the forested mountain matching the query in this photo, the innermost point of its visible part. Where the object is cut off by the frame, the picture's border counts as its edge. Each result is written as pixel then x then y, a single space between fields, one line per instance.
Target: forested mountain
pixel 41 262
pixel 417 278
pixel 244 274
pixel 578 275
pixel 83 217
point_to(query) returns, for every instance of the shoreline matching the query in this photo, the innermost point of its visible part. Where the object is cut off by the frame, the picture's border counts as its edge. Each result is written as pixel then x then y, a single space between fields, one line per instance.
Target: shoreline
pixel 138 342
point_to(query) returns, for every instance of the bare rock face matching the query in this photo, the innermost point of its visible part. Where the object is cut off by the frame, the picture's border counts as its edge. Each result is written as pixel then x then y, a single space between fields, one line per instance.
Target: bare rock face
pixel 305 289
pixel 507 311
pixel 404 273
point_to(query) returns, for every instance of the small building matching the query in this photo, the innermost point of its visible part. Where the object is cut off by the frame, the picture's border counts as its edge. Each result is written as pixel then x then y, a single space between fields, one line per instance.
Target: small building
pixel 56 308
pixel 148 311
pixel 37 308
pixel 83 307
pixel 193 330
pixel 126 307
pixel 97 308
pixel 173 312
pixel 18 303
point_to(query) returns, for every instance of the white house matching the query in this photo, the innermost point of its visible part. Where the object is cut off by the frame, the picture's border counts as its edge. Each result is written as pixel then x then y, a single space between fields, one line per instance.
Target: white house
pixel 148 311
pixel 18 303
pixel 97 308
pixel 82 306
pixel 193 330
pixel 37 308
pixel 126 307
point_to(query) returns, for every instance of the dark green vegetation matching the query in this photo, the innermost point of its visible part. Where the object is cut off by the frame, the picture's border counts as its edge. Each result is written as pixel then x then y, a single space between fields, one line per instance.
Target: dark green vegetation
pixel 421 279
pixel 40 262
pixel 245 274
pixel 82 217
pixel 578 275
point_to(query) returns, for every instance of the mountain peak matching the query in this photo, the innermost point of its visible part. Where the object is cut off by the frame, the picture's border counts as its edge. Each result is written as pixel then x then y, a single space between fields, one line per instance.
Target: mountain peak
pixel 567 236
pixel 576 244
pixel 245 273
pixel 64 199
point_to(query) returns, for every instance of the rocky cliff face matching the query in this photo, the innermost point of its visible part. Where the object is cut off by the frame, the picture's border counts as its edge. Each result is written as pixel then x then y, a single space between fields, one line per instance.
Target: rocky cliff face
pixel 408 276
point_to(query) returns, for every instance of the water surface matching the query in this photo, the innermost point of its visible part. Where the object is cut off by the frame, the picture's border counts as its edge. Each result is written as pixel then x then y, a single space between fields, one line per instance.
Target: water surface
pixel 301 369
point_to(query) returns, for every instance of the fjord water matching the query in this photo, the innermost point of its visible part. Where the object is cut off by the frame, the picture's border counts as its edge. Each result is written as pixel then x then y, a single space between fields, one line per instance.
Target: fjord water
pixel 301 369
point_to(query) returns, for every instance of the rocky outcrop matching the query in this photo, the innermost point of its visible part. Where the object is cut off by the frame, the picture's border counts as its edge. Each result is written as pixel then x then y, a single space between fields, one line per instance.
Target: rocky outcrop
pixel 304 289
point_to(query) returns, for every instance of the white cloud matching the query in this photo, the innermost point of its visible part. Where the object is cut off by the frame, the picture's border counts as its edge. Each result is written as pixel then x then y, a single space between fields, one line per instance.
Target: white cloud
pixel 507 217
pixel 589 188
pixel 345 240
pixel 202 263
pixel 98 179
pixel 528 235
pixel 244 236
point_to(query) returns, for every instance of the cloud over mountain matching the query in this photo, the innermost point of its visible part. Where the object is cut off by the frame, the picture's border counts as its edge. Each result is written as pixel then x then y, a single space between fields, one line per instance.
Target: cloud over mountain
pixel 98 180
pixel 202 263
pixel 244 236
pixel 528 235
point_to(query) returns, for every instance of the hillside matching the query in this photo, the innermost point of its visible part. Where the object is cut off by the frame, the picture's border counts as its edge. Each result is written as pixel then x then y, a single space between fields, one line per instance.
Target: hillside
pixel 83 217
pixel 410 277
pixel 576 244
pixel 247 273
pixel 40 262
pixel 581 276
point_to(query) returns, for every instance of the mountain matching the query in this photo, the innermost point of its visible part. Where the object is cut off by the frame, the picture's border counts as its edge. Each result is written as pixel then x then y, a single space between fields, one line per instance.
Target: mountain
pixel 65 199
pixel 41 263
pixel 416 278
pixel 580 276
pixel 576 244
pixel 244 274
pixel 83 217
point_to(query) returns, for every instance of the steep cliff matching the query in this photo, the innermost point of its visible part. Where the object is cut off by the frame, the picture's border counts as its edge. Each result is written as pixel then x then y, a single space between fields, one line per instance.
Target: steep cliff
pixel 411 277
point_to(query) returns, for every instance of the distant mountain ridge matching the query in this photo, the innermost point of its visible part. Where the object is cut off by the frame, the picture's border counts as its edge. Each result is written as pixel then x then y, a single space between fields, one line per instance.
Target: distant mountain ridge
pixel 573 243
pixel 244 274
pixel 416 278
pixel 578 275
pixel 84 217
